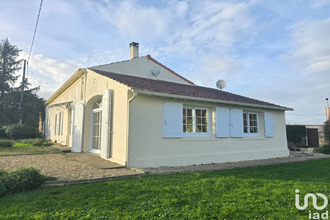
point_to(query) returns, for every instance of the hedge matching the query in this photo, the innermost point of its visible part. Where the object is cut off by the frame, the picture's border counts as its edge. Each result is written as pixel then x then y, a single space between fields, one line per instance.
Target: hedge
pixel 6 143
pixel 296 134
pixel 327 132
pixel 3 133
pixel 21 132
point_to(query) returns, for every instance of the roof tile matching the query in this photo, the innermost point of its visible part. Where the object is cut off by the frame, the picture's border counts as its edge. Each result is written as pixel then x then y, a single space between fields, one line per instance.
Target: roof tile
pixel 166 87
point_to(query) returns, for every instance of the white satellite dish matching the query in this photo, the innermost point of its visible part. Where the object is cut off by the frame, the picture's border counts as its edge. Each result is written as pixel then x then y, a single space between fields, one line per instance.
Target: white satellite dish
pixel 155 71
pixel 221 84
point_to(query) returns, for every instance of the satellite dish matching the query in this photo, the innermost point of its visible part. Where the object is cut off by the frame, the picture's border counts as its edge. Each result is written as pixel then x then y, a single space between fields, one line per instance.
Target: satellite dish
pixel 221 84
pixel 155 71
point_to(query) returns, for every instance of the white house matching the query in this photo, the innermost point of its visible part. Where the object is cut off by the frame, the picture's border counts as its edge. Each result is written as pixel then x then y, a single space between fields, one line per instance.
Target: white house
pixel 140 113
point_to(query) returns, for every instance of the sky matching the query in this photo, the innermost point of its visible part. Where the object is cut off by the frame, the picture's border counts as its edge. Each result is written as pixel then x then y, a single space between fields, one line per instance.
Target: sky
pixel 275 51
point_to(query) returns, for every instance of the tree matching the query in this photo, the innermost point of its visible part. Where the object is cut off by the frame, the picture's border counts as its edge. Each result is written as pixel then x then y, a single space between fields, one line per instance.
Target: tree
pixel 327 132
pixel 32 105
pixel 8 67
pixel 10 95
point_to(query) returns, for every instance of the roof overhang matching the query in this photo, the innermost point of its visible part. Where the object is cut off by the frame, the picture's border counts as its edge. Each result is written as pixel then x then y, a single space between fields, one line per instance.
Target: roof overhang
pixel 210 100
pixel 61 104
pixel 79 73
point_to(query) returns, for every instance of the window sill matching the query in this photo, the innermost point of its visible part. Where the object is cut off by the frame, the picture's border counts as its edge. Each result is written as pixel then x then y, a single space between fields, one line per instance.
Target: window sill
pixel 244 138
pixel 198 138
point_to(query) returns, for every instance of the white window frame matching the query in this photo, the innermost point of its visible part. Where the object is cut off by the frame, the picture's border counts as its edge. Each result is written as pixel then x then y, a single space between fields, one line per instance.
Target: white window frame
pixel 194 133
pixel 248 124
pixel 96 110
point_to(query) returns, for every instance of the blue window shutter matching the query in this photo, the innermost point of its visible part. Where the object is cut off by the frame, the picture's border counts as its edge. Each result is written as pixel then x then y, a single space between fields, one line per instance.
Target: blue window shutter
pixel 236 122
pixel 222 122
pixel 172 120
pixel 269 124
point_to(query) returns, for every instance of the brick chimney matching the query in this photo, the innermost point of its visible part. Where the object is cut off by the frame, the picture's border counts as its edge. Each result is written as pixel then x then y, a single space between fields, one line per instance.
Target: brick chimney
pixel 134 50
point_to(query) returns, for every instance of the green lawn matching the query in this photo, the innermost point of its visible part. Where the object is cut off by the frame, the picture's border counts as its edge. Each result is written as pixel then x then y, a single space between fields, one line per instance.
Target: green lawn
pixel 25 146
pixel 265 192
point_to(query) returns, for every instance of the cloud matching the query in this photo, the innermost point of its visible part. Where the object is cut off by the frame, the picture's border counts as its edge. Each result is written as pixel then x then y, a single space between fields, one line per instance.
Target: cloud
pixel 134 20
pixel 319 3
pixel 213 68
pixel 48 73
pixel 311 46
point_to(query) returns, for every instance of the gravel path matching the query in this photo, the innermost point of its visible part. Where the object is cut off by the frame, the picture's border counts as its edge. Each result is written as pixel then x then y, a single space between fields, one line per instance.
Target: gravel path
pixel 61 166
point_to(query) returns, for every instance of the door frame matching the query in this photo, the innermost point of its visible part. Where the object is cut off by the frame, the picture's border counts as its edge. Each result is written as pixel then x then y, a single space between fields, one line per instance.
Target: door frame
pixel 91 149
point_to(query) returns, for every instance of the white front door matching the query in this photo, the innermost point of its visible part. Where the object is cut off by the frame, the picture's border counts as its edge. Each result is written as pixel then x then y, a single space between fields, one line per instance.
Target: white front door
pixel 96 127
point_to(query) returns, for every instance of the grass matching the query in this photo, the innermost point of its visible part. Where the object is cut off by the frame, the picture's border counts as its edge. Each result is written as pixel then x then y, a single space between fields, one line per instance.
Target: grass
pixel 25 146
pixel 264 192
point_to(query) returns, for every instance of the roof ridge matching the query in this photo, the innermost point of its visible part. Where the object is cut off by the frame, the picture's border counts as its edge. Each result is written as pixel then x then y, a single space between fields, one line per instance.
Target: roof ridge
pixel 172 71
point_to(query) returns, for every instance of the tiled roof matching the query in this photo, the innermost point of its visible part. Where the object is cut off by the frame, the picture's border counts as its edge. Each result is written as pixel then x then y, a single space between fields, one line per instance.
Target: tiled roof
pixel 160 86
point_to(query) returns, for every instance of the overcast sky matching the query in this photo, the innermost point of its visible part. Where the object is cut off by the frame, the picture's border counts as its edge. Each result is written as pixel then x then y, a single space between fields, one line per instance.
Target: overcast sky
pixel 275 51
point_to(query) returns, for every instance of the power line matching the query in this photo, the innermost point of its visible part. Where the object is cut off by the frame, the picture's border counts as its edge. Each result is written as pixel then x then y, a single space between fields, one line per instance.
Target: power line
pixel 304 115
pixel 46 91
pixel 35 30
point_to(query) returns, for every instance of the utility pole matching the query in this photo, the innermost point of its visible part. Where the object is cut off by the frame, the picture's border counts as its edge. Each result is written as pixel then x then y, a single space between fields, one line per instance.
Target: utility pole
pixel 327 110
pixel 22 94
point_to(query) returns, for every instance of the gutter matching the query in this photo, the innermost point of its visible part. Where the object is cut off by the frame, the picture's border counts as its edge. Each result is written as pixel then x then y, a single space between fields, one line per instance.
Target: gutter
pixel 127 126
pixel 211 100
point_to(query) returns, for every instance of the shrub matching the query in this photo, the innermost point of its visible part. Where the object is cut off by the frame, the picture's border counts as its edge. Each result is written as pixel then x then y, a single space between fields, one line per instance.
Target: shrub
pixel 3 133
pixel 3 178
pixel 22 179
pixel 327 132
pixel 21 132
pixel 41 143
pixel 2 189
pixel 323 150
pixel 5 143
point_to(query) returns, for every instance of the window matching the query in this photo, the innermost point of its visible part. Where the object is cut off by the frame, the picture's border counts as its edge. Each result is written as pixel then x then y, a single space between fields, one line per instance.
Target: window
pixel 58 128
pixel 195 120
pixel 250 123
pixel 97 126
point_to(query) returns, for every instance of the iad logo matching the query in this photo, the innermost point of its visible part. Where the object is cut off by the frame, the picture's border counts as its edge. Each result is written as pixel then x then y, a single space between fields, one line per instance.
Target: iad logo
pixel 315 215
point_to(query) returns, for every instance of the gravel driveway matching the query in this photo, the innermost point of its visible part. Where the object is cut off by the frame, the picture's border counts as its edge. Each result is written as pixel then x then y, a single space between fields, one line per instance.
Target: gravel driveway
pixel 61 166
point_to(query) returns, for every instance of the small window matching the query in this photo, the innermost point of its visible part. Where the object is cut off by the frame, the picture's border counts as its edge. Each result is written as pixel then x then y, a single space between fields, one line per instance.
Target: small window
pixel 195 120
pixel 250 123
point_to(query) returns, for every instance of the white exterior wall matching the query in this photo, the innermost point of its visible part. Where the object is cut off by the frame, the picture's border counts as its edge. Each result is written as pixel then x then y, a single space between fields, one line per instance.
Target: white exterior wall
pixel 72 94
pixel 96 85
pixel 141 67
pixel 87 90
pixel 148 148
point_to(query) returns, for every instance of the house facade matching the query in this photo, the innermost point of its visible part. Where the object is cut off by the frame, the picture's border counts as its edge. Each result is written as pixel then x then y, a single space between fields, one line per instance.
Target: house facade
pixel 140 113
